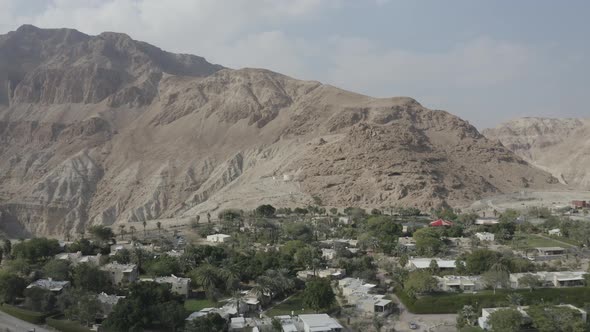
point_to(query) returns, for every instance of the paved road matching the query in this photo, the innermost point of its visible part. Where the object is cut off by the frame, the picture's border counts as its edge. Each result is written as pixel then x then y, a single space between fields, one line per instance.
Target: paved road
pixel 13 324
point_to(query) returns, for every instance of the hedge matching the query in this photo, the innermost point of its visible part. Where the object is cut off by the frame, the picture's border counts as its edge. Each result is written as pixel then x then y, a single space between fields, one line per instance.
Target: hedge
pixel 446 303
pixel 23 314
pixel 64 325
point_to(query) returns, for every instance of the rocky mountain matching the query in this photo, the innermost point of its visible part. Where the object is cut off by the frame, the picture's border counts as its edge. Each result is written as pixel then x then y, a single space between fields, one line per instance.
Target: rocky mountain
pixel 559 146
pixel 106 129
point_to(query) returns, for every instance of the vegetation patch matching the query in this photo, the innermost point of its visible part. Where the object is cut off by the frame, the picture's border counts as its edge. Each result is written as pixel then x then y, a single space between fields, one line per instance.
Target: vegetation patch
pixel 26 315
pixel 445 303
pixel 65 325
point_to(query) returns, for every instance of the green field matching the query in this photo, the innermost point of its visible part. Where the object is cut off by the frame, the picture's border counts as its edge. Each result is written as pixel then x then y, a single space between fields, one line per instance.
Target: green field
pixel 65 325
pixel 196 305
pixel 525 241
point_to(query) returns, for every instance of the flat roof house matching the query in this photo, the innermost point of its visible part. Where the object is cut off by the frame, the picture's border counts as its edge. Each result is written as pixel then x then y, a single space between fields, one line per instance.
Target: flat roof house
pixel 551 279
pixel 424 263
pixel 49 284
pixel 357 293
pixel 178 285
pixel 546 253
pixel 328 254
pixel 77 258
pixel 485 236
pixel 218 238
pixel 320 323
pixel 108 302
pixel 466 284
pixel 121 273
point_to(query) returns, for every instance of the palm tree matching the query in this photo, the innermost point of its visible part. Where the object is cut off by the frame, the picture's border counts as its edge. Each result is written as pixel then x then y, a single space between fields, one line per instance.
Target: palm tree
pixel 122 231
pixel 132 229
pixel 144 233
pixel 208 217
pixel 159 225
pixel 514 299
pixel 205 276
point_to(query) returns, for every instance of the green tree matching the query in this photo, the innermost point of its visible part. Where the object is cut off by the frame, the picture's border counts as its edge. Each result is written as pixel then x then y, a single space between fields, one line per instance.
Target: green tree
pixel 466 316
pixel 57 269
pixel 146 303
pixel 159 226
pixel 419 282
pixel 11 287
pixel 334 211
pixel 556 319
pixel 433 267
pixel 496 278
pixel 39 299
pixel 210 322
pixel 101 234
pixel 172 315
pixel 514 299
pixel 91 278
pixel 481 260
pixel 428 241
pixel 79 305
pixel 530 281
pixel 266 210
pixel 7 248
pixel 505 320
pixel 318 294
pixel 36 250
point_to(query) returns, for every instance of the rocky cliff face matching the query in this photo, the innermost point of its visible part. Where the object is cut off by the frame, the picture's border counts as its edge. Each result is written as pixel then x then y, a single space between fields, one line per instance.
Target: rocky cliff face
pixel 105 129
pixel 560 146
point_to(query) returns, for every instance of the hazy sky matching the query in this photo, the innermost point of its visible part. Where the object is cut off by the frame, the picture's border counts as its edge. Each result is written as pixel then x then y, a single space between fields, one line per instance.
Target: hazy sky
pixel 486 61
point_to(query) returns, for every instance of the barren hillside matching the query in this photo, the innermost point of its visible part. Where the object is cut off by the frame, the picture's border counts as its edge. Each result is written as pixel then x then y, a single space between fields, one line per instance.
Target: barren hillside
pixel 559 146
pixel 106 129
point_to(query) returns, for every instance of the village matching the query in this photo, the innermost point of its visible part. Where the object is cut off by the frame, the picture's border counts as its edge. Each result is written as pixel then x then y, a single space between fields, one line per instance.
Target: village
pixel 311 269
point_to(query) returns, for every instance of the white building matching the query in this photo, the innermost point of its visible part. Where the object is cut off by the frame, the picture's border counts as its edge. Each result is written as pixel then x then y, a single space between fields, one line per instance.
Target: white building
pixel 555 231
pixel 218 238
pixel 328 254
pixel 466 284
pixel 485 236
pixel 77 258
pixel 319 323
pixel 332 273
pixel 49 284
pixel 178 285
pixel 121 273
pixel 424 263
pixel 551 279
pixel 108 302
pixel 358 293
pixel 487 221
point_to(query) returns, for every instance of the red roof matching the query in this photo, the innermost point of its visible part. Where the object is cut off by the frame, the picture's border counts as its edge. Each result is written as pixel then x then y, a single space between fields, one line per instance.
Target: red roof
pixel 441 222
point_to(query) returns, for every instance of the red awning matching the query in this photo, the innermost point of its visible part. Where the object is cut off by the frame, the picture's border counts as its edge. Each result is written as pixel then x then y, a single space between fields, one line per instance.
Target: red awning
pixel 441 222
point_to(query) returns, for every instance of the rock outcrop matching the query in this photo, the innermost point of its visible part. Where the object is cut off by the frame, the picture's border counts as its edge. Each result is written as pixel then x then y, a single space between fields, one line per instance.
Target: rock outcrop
pixel 559 146
pixel 106 129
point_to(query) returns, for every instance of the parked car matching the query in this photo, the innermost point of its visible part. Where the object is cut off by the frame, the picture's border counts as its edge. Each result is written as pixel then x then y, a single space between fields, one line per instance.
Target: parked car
pixel 413 326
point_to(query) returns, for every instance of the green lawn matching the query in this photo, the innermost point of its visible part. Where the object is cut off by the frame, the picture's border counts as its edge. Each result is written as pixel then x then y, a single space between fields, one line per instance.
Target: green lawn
pixel 65 325
pixel 524 241
pixel 193 305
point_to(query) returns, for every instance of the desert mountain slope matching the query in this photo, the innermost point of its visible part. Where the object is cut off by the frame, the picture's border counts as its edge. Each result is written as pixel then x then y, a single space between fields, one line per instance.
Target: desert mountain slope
pixel 105 129
pixel 560 146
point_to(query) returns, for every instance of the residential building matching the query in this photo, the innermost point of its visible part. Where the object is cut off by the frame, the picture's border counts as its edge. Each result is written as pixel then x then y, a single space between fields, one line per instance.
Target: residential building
pixel 49 284
pixel 121 273
pixel 77 258
pixel 485 236
pixel 551 279
pixel 328 254
pixel 332 273
pixel 486 221
pixel 424 263
pixel 218 238
pixel 358 293
pixel 467 284
pixel 555 232
pixel 319 323
pixel 546 253
pixel 178 285
pixel 441 223
pixel 580 204
pixel 108 302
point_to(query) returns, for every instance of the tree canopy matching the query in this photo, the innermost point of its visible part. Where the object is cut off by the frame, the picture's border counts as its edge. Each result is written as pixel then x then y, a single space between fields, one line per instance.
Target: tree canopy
pixel 318 294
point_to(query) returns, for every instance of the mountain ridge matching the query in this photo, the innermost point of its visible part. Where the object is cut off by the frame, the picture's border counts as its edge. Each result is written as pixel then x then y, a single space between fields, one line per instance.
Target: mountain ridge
pixel 99 130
